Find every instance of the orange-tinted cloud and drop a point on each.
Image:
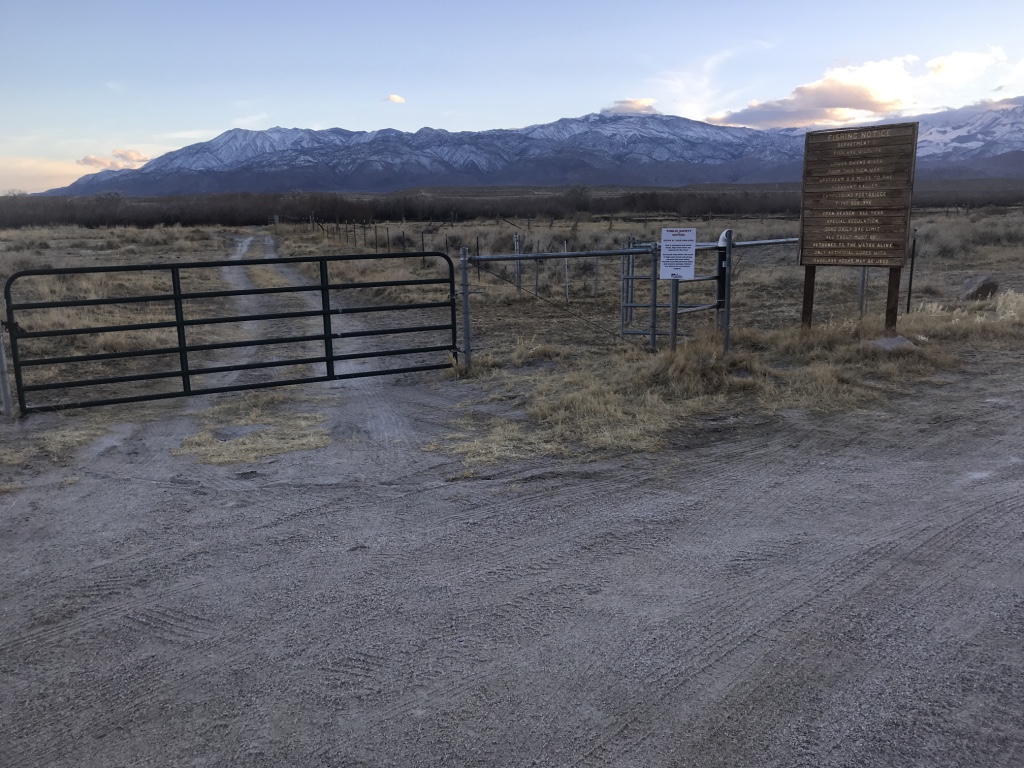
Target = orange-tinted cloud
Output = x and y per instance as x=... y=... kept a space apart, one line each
x=130 y=156
x=123 y=158
x=631 y=107
x=394 y=98
x=825 y=101
x=880 y=89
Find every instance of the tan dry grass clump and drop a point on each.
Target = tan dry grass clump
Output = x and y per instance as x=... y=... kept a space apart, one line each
x=276 y=430
x=59 y=445
x=629 y=400
x=61 y=247
x=76 y=429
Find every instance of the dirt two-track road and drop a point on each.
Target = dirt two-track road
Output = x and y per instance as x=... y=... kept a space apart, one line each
x=794 y=590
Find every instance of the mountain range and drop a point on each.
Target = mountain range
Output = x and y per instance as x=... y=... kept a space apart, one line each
x=596 y=149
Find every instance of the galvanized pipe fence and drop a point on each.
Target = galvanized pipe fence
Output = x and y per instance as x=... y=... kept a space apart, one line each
x=465 y=260
x=629 y=276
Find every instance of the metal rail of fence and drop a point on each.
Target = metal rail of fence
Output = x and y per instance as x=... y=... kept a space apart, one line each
x=186 y=369
x=465 y=260
x=722 y=305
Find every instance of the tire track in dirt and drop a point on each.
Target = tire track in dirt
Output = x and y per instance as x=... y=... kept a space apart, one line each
x=798 y=593
x=542 y=564
x=712 y=653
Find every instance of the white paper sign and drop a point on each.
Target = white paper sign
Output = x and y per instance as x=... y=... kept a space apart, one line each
x=678 y=253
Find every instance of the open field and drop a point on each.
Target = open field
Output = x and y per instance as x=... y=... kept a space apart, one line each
x=580 y=554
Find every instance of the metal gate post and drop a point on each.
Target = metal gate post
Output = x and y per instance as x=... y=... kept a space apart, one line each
x=464 y=267
x=325 y=306
x=179 y=320
x=910 y=277
x=654 y=298
x=519 y=264
x=5 y=385
x=720 y=284
x=622 y=295
x=725 y=248
x=674 y=312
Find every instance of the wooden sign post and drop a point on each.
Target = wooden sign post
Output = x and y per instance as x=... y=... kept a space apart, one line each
x=857 y=189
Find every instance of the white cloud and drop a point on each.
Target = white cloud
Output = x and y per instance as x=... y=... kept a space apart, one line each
x=394 y=98
x=1012 y=80
x=631 y=106
x=693 y=92
x=878 y=89
x=960 y=68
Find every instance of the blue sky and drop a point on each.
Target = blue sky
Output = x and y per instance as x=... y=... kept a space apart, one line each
x=108 y=83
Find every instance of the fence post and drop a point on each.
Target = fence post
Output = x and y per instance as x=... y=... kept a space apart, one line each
x=674 y=312
x=5 y=385
x=910 y=277
x=565 y=249
x=654 y=298
x=325 y=308
x=464 y=267
x=725 y=249
x=519 y=264
x=179 y=321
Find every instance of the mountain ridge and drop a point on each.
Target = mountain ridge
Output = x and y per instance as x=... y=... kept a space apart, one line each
x=599 y=148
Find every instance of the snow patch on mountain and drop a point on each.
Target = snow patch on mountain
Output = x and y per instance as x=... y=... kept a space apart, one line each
x=600 y=148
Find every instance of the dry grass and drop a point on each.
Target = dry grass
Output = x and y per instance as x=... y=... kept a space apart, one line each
x=63 y=247
x=74 y=430
x=630 y=400
x=574 y=389
x=592 y=395
x=275 y=430
x=12 y=457
x=59 y=445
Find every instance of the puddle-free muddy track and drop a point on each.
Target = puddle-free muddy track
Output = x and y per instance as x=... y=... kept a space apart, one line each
x=796 y=590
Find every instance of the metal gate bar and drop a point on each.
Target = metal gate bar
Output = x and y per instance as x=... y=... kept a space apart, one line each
x=186 y=369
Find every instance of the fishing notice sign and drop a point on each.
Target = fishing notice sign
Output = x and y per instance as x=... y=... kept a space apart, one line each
x=857 y=190
x=678 y=253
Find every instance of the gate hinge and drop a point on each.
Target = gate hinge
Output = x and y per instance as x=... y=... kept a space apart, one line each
x=11 y=328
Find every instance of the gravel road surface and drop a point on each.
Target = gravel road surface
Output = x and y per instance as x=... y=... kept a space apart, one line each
x=794 y=590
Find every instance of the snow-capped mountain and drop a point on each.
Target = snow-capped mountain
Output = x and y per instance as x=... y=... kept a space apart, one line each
x=984 y=134
x=603 y=148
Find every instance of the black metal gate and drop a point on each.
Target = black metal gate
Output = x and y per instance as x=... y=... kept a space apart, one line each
x=120 y=334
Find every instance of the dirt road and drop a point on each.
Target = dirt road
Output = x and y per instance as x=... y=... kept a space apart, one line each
x=780 y=591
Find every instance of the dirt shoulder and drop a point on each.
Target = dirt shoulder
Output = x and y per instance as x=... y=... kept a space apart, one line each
x=834 y=590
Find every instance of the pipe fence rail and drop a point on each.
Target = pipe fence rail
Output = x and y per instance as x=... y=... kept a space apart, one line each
x=630 y=276
x=649 y=303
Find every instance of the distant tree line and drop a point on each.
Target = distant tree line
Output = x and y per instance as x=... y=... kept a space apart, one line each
x=458 y=204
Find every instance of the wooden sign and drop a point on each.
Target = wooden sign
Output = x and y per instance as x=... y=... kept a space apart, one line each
x=857 y=190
